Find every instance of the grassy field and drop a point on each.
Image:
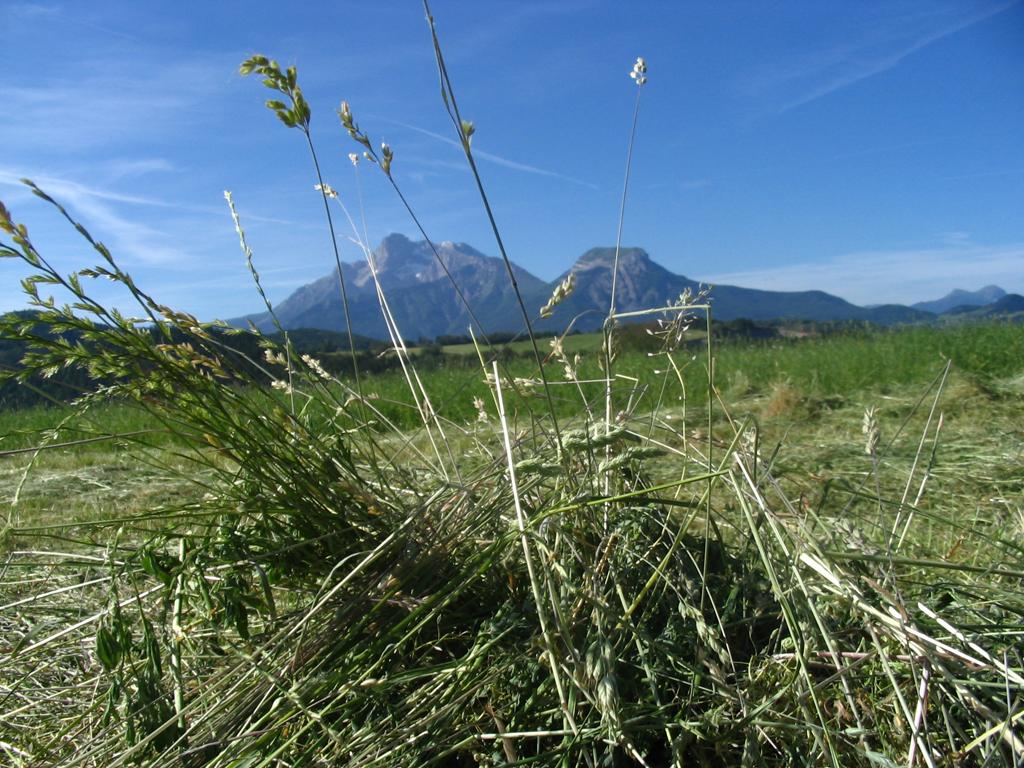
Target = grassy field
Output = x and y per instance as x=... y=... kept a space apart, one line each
x=821 y=368
x=581 y=342
x=808 y=395
x=954 y=444
x=728 y=553
x=818 y=372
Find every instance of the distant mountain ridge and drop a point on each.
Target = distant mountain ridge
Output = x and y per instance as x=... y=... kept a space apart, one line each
x=425 y=304
x=1010 y=304
x=419 y=294
x=961 y=298
x=643 y=283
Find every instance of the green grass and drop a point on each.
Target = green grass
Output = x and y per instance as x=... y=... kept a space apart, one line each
x=27 y=427
x=808 y=553
x=968 y=521
x=579 y=342
x=341 y=576
x=113 y=461
x=809 y=392
x=824 y=367
x=820 y=367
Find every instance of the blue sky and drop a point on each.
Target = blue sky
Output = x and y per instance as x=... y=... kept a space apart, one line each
x=871 y=149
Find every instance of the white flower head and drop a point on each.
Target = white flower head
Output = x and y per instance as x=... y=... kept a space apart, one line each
x=316 y=367
x=386 y=156
x=639 y=72
x=327 y=189
x=481 y=412
x=562 y=291
x=354 y=158
x=274 y=358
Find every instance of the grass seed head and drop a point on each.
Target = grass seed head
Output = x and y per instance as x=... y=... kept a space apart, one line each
x=481 y=412
x=871 y=430
x=562 y=291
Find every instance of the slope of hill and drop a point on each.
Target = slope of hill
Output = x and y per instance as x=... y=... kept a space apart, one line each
x=71 y=382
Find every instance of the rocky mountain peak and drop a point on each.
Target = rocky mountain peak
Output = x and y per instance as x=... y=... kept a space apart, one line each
x=424 y=303
x=962 y=298
x=604 y=258
x=395 y=251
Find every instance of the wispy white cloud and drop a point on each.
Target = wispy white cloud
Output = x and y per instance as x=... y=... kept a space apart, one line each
x=135 y=240
x=240 y=280
x=895 y=276
x=66 y=187
x=131 y=168
x=105 y=102
x=69 y=190
x=808 y=77
x=500 y=21
x=51 y=13
x=32 y=10
x=489 y=156
x=955 y=237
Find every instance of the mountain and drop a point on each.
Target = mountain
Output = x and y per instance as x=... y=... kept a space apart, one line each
x=424 y=303
x=961 y=298
x=419 y=294
x=1009 y=304
x=642 y=284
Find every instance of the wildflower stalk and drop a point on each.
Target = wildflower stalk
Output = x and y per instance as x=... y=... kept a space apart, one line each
x=384 y=161
x=247 y=252
x=917 y=459
x=298 y=116
x=424 y=406
x=177 y=638
x=639 y=76
x=337 y=264
x=549 y=640
x=465 y=130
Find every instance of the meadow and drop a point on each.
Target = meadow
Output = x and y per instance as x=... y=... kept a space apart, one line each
x=699 y=552
x=806 y=397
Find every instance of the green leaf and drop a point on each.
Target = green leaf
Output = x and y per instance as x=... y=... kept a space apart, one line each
x=151 y=565
x=241 y=616
x=879 y=759
x=153 y=661
x=107 y=649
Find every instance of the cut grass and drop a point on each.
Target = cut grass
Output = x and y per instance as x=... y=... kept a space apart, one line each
x=685 y=578
x=807 y=396
x=336 y=592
